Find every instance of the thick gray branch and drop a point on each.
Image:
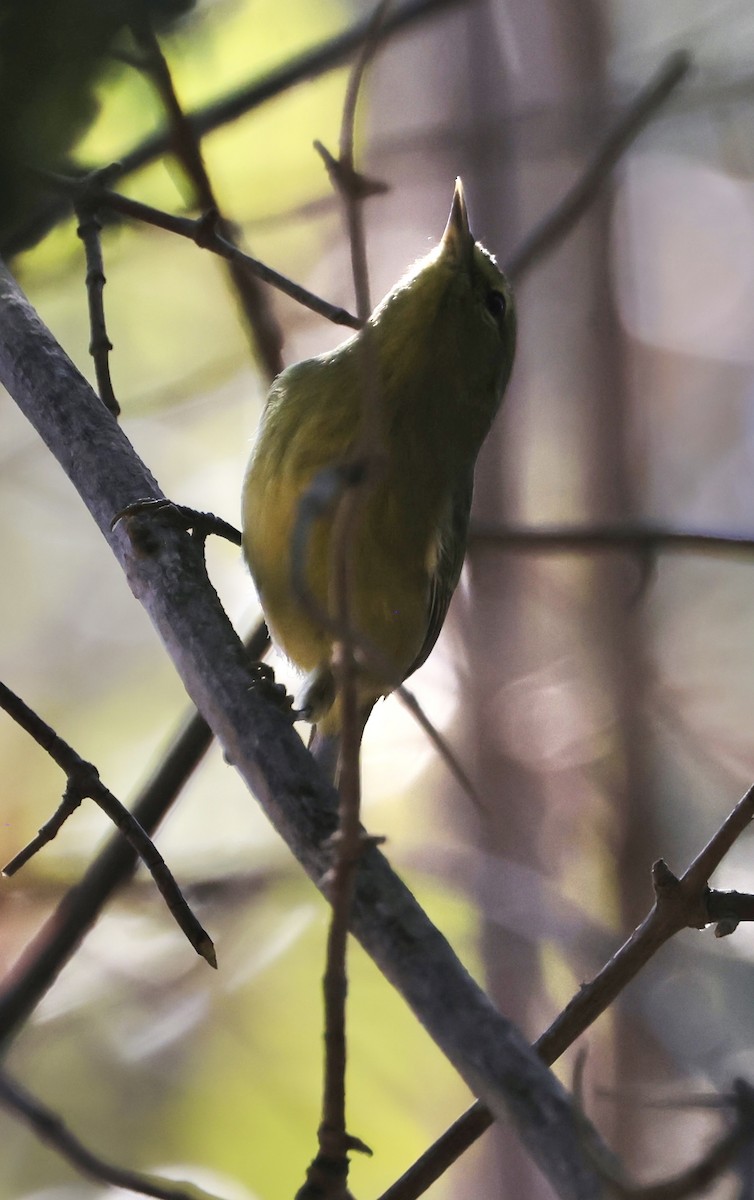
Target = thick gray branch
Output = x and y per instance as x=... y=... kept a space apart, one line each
x=170 y=581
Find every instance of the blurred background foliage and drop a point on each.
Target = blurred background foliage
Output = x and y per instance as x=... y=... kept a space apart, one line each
x=602 y=705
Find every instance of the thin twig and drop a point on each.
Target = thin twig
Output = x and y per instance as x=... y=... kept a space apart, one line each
x=412 y=705
x=560 y=220
x=89 y=229
x=353 y=195
x=680 y=903
x=643 y=538
x=84 y=781
x=708 y=860
x=262 y=325
x=50 y=1128
x=327 y=1175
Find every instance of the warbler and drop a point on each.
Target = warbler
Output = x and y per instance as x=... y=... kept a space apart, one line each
x=443 y=342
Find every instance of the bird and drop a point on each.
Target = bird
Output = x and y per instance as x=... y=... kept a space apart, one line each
x=442 y=346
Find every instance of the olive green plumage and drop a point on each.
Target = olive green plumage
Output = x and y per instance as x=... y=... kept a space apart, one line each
x=444 y=341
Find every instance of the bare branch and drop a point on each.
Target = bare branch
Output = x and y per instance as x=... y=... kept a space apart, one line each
x=50 y=1128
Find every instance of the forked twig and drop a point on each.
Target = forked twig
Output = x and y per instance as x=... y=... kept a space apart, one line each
x=61 y=935
x=204 y=232
x=84 y=781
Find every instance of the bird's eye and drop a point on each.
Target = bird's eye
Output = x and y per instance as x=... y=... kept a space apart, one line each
x=496 y=304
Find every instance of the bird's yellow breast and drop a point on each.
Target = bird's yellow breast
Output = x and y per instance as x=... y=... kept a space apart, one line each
x=388 y=560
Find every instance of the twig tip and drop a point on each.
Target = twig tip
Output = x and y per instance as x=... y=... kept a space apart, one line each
x=206 y=948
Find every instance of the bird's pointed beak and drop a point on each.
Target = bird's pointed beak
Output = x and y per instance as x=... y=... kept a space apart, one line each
x=457 y=240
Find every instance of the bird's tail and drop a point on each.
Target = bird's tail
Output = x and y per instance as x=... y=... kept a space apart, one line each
x=326 y=749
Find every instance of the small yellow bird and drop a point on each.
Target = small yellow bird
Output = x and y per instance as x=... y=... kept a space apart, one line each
x=444 y=341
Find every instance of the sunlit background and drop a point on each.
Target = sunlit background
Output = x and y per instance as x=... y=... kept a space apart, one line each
x=602 y=704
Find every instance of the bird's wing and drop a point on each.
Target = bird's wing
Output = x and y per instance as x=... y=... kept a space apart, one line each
x=451 y=548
